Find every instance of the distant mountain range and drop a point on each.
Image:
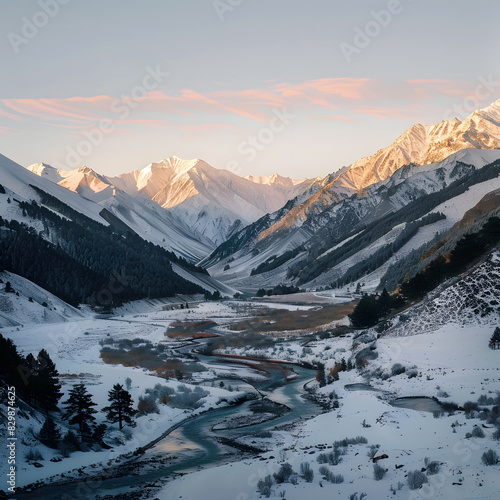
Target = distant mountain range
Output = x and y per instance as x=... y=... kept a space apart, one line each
x=200 y=201
x=355 y=226
x=293 y=243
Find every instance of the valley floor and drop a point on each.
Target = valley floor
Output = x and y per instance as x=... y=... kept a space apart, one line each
x=451 y=363
x=452 y=360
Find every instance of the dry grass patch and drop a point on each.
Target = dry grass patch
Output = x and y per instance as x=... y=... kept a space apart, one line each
x=280 y=320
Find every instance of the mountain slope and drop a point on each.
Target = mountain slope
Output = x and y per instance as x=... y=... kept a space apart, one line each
x=19 y=180
x=416 y=149
x=352 y=238
x=469 y=299
x=86 y=246
x=419 y=145
x=213 y=202
x=29 y=303
x=140 y=214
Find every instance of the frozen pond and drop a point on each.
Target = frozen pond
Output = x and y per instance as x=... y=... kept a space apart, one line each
x=418 y=404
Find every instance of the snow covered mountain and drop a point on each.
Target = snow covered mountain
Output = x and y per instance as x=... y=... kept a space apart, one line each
x=37 y=212
x=359 y=237
x=198 y=200
x=419 y=145
x=424 y=144
x=317 y=221
x=213 y=202
x=140 y=214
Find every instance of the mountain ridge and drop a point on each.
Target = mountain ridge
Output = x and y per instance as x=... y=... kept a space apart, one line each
x=212 y=202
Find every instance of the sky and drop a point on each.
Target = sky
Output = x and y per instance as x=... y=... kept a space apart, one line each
x=297 y=87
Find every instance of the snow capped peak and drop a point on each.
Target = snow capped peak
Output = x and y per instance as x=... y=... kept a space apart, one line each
x=47 y=171
x=176 y=164
x=492 y=111
x=424 y=144
x=40 y=167
x=87 y=170
x=213 y=202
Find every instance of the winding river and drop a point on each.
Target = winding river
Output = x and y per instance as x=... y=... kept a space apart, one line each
x=194 y=444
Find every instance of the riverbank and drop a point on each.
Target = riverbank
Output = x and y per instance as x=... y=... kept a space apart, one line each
x=404 y=440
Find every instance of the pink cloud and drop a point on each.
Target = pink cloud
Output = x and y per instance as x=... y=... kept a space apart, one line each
x=219 y=109
x=346 y=88
x=10 y=116
x=6 y=131
x=341 y=118
x=381 y=112
x=444 y=86
x=49 y=109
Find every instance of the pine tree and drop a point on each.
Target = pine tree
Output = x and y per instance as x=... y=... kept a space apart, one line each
x=99 y=432
x=320 y=375
x=48 y=387
x=10 y=363
x=79 y=409
x=120 y=410
x=50 y=434
x=343 y=364
x=384 y=303
x=366 y=313
x=495 y=339
x=69 y=443
x=30 y=374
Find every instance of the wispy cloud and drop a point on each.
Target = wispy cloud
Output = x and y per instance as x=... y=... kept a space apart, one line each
x=6 y=131
x=382 y=112
x=340 y=99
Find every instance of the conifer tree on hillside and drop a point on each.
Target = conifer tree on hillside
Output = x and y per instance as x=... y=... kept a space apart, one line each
x=120 y=410
x=10 y=362
x=49 y=389
x=366 y=313
x=79 y=410
x=29 y=370
x=495 y=339
x=384 y=303
x=50 y=434
x=320 y=375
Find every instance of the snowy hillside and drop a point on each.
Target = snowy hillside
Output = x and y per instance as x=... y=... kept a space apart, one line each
x=469 y=300
x=28 y=303
x=19 y=180
x=420 y=145
x=325 y=247
x=205 y=204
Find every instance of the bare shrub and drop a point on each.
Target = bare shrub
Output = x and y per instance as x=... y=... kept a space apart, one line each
x=378 y=472
x=416 y=479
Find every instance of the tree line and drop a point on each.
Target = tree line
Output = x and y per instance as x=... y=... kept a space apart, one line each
x=83 y=254
x=468 y=249
x=278 y=290
x=347 y=222
x=37 y=381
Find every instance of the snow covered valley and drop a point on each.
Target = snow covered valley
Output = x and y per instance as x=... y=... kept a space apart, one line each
x=274 y=429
